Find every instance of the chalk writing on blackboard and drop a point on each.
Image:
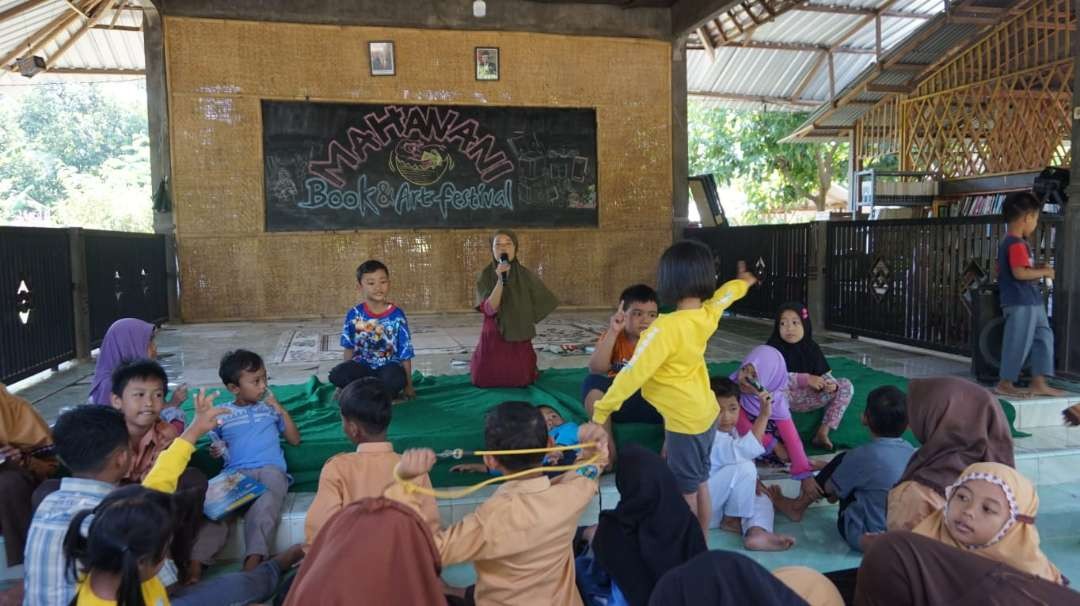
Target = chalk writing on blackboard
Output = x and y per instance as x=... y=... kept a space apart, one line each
x=336 y=166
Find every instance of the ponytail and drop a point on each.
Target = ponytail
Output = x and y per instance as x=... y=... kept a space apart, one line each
x=131 y=527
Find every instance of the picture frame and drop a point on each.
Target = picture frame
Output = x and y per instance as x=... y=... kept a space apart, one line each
x=486 y=59
x=381 y=59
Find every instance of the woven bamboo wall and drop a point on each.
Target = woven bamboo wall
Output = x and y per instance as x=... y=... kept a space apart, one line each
x=231 y=269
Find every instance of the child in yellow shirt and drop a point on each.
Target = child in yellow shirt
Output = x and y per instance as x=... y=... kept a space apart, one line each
x=668 y=365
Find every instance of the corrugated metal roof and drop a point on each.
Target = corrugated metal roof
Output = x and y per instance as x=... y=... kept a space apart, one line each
x=779 y=73
x=98 y=49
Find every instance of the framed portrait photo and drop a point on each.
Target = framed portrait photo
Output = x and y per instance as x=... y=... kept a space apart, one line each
x=487 y=63
x=381 y=58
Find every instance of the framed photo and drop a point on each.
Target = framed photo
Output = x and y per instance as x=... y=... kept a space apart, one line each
x=487 y=63
x=381 y=58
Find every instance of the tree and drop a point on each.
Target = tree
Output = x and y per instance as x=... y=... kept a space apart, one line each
x=744 y=148
x=70 y=155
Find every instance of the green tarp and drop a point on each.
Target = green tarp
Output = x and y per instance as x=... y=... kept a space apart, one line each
x=449 y=413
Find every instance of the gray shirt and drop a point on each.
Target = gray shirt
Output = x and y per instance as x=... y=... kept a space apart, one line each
x=866 y=474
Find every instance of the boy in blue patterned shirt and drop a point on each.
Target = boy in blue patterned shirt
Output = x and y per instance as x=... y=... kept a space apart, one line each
x=376 y=336
x=251 y=432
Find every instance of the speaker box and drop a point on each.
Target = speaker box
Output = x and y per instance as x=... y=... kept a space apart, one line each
x=987 y=333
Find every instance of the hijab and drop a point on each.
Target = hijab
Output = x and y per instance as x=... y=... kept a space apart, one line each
x=722 y=578
x=1017 y=543
x=650 y=531
x=375 y=551
x=810 y=585
x=805 y=356
x=127 y=339
x=958 y=423
x=772 y=373
x=525 y=299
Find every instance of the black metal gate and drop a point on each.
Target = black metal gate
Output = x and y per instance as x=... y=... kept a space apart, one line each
x=778 y=254
x=37 y=326
x=126 y=278
x=911 y=281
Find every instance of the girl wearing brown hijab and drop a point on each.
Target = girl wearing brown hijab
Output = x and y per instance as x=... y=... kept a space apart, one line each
x=513 y=300
x=374 y=551
x=958 y=423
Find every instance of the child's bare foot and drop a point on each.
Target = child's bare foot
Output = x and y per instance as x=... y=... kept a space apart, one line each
x=821 y=440
x=731 y=524
x=1007 y=389
x=759 y=539
x=252 y=562
x=1072 y=415
x=793 y=509
x=818 y=464
x=194 y=573
x=1040 y=387
x=289 y=558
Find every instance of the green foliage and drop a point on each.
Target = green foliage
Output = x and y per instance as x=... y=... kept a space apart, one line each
x=743 y=148
x=70 y=155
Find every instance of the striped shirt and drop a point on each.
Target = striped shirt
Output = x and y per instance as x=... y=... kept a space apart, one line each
x=46 y=582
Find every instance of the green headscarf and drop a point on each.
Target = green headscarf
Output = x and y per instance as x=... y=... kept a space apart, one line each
x=525 y=299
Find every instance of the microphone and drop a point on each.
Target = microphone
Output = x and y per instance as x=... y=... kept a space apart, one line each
x=503 y=258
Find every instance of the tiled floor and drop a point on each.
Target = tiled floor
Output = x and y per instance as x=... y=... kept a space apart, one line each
x=296 y=350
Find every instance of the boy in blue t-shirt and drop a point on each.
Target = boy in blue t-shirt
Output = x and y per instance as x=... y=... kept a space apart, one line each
x=560 y=433
x=251 y=432
x=376 y=336
x=1028 y=335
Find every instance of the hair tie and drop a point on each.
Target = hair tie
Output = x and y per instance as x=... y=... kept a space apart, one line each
x=1026 y=519
x=805 y=313
x=84 y=528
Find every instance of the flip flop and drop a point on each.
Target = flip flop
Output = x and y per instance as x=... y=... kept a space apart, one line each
x=1022 y=395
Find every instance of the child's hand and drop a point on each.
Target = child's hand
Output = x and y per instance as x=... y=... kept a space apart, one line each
x=469 y=468
x=831 y=386
x=216 y=450
x=744 y=275
x=10 y=453
x=816 y=383
x=1048 y=272
x=618 y=321
x=810 y=488
x=409 y=392
x=416 y=462
x=591 y=432
x=272 y=400
x=766 y=404
x=206 y=415
x=179 y=395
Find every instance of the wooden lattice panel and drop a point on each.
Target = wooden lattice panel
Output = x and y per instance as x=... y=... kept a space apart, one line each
x=1037 y=36
x=1019 y=121
x=877 y=133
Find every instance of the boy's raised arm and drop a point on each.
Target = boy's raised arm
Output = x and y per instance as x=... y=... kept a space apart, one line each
x=173 y=460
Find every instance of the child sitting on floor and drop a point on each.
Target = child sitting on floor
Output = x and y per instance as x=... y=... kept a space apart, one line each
x=518 y=539
x=991 y=511
x=861 y=477
x=638 y=308
x=366 y=411
x=764 y=366
x=811 y=385
x=375 y=336
x=117 y=549
x=138 y=391
x=251 y=434
x=668 y=365
x=560 y=433
x=737 y=505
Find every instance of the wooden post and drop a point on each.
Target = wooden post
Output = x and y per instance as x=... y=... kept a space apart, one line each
x=877 y=40
x=832 y=79
x=1067 y=310
x=816 y=292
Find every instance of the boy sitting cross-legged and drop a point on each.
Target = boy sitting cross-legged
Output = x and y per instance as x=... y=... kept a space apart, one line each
x=366 y=410
x=519 y=539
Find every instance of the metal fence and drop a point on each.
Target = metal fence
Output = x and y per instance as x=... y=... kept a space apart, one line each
x=37 y=327
x=44 y=273
x=912 y=281
x=777 y=254
x=125 y=277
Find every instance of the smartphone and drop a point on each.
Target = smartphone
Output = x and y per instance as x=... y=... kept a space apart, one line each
x=755 y=384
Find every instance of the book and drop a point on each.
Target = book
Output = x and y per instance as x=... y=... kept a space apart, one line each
x=229 y=491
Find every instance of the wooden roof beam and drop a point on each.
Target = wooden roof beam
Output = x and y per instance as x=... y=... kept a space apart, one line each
x=794 y=46
x=853 y=10
x=706 y=42
x=32 y=43
x=786 y=101
x=99 y=11
x=118 y=28
x=19 y=9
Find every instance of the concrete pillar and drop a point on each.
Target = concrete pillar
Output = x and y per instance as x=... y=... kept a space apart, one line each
x=157 y=109
x=1067 y=314
x=680 y=154
x=79 y=293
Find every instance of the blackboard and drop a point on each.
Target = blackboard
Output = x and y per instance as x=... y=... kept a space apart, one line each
x=330 y=166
